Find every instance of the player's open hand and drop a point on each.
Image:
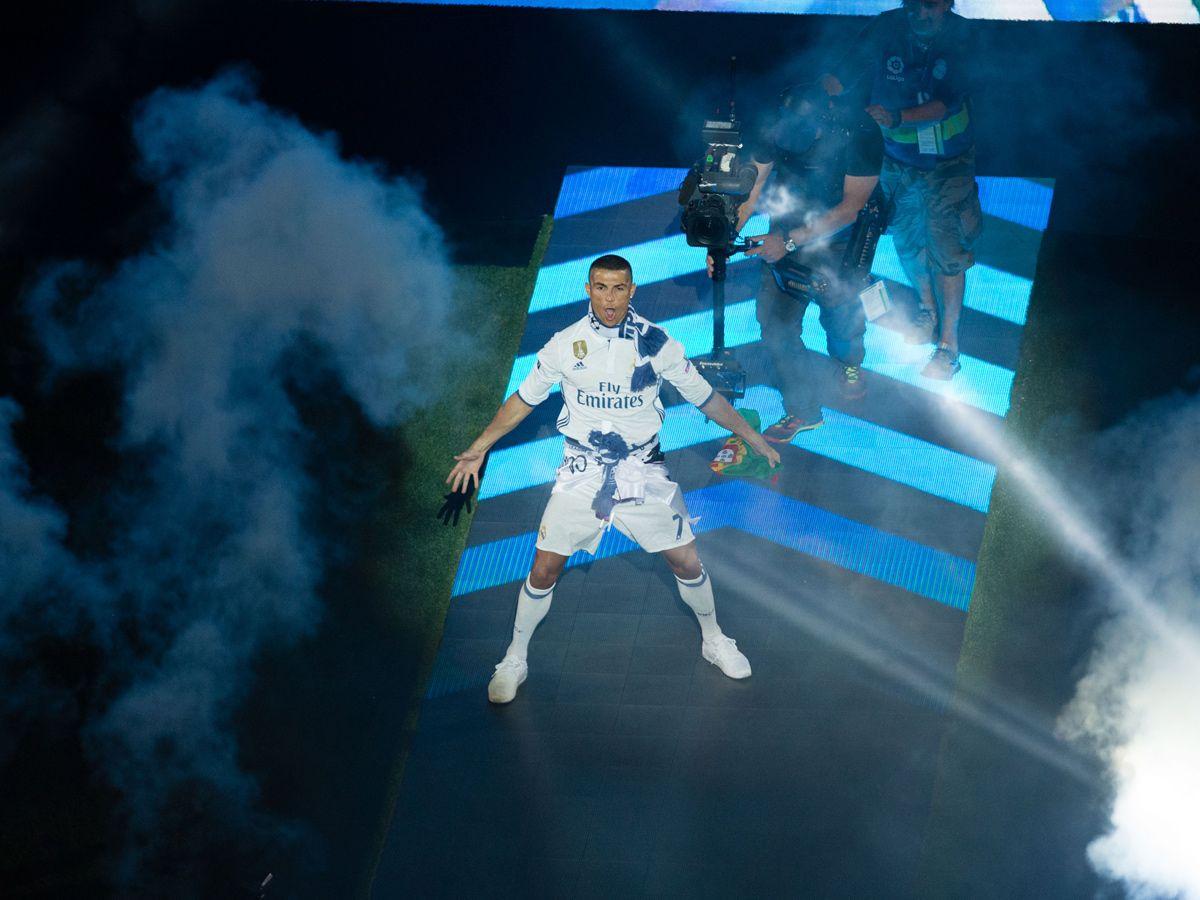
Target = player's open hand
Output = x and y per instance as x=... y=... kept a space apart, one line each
x=467 y=471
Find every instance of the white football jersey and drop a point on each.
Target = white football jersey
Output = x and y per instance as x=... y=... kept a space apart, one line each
x=611 y=384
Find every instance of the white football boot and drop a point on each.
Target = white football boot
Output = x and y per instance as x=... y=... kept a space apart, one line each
x=723 y=653
x=510 y=673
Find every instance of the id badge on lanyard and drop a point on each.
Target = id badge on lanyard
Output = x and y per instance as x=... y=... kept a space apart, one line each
x=927 y=135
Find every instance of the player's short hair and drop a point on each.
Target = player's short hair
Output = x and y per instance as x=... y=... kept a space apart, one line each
x=610 y=262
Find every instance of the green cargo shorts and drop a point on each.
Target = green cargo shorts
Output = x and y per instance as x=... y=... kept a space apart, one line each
x=936 y=217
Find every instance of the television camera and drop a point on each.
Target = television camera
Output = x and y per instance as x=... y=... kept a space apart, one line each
x=711 y=194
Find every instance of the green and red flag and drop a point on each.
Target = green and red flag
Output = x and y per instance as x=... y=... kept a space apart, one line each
x=737 y=459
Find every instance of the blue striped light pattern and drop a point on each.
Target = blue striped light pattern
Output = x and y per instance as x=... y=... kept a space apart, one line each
x=1017 y=200
x=981 y=384
x=855 y=442
x=661 y=259
x=988 y=290
x=799 y=526
x=850 y=441
x=605 y=186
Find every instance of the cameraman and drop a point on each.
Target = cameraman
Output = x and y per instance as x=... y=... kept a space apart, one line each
x=912 y=68
x=826 y=156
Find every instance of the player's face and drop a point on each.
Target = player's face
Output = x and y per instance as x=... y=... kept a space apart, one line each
x=926 y=16
x=610 y=293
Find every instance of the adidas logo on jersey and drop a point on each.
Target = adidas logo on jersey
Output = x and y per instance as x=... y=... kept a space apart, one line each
x=579 y=365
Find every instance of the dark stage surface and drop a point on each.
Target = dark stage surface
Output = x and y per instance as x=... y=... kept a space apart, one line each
x=628 y=766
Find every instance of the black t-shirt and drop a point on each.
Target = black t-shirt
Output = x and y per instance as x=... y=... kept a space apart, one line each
x=813 y=174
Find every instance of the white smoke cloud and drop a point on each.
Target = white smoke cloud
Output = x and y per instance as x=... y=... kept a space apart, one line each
x=278 y=259
x=779 y=201
x=1137 y=706
x=30 y=544
x=42 y=583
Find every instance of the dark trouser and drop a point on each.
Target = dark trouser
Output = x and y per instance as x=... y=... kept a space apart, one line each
x=782 y=320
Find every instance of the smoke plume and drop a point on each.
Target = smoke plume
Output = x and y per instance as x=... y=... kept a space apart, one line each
x=1136 y=705
x=278 y=258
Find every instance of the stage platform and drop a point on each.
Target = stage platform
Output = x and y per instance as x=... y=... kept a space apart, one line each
x=628 y=766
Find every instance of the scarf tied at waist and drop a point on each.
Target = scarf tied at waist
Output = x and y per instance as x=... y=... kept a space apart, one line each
x=624 y=470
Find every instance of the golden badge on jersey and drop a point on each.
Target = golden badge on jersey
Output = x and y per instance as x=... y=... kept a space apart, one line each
x=580 y=348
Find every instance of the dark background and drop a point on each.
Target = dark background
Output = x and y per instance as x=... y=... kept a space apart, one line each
x=486 y=107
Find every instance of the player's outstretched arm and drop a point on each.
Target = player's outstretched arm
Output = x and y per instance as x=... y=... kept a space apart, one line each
x=718 y=409
x=468 y=463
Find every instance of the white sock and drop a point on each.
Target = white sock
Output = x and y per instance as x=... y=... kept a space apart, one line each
x=532 y=606
x=699 y=596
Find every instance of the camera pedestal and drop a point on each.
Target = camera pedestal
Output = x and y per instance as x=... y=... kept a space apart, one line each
x=720 y=368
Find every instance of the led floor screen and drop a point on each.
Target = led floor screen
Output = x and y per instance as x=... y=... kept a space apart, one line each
x=1166 y=11
x=909 y=442
x=629 y=766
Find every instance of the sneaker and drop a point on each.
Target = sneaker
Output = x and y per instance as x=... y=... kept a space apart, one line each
x=923 y=327
x=789 y=426
x=851 y=384
x=510 y=673
x=942 y=364
x=723 y=653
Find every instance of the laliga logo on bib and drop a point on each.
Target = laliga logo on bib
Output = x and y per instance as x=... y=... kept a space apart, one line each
x=895 y=65
x=939 y=69
x=580 y=348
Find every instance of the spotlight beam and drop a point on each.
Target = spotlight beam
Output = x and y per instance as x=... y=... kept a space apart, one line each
x=1076 y=532
x=871 y=645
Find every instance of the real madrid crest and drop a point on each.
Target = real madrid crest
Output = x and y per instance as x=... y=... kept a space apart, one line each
x=580 y=348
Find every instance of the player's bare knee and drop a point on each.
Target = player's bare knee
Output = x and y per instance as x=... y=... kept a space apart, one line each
x=542 y=577
x=545 y=571
x=685 y=562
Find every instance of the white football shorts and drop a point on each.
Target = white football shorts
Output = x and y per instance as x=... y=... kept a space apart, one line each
x=569 y=522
